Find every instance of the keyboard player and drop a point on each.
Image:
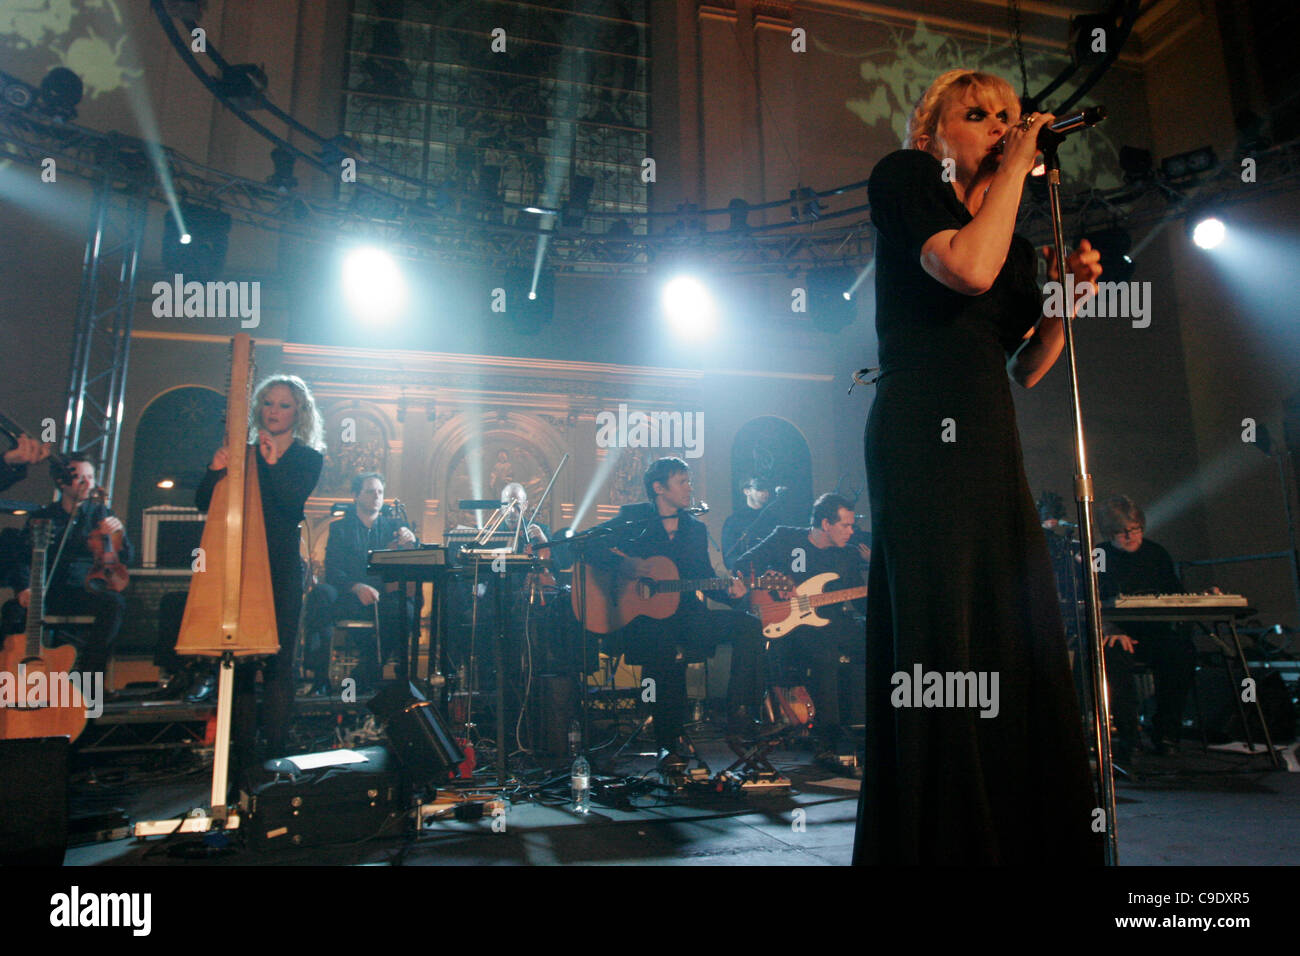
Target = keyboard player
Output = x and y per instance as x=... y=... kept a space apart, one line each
x=1136 y=565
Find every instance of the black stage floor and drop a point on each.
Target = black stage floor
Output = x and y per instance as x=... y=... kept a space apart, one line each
x=1191 y=808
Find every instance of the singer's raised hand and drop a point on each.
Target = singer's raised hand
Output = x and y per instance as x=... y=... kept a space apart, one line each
x=1084 y=264
x=1021 y=150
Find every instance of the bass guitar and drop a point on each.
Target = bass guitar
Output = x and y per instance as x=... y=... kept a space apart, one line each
x=782 y=615
x=655 y=593
x=58 y=710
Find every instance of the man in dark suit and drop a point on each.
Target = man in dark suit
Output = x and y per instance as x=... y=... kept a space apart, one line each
x=663 y=648
x=73 y=518
x=350 y=592
x=814 y=653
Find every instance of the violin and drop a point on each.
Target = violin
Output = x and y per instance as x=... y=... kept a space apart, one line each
x=109 y=573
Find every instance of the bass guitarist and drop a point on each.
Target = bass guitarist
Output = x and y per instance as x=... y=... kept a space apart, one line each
x=663 y=648
x=815 y=652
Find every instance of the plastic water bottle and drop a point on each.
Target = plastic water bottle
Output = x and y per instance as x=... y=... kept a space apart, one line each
x=575 y=737
x=580 y=785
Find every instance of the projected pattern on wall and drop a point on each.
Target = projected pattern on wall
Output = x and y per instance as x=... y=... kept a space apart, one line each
x=896 y=73
x=77 y=35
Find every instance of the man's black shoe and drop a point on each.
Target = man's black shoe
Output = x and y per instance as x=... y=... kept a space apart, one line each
x=671 y=763
x=173 y=688
x=204 y=691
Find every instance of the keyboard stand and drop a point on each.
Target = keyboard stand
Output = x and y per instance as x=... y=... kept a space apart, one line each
x=1212 y=618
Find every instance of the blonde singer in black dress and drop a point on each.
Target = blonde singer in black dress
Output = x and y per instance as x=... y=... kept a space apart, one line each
x=960 y=579
x=287 y=431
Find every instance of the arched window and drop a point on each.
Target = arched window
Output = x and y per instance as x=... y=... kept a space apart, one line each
x=174 y=442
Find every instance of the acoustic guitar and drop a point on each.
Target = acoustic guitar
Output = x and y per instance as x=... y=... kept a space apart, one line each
x=780 y=616
x=612 y=604
x=60 y=710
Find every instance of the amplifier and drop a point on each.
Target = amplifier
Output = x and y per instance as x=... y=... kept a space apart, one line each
x=170 y=533
x=338 y=796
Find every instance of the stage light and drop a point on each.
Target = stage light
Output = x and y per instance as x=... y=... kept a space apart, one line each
x=195 y=239
x=373 y=285
x=61 y=91
x=283 y=179
x=804 y=205
x=1186 y=166
x=1114 y=244
x=530 y=299
x=166 y=483
x=689 y=307
x=15 y=92
x=1209 y=232
x=830 y=294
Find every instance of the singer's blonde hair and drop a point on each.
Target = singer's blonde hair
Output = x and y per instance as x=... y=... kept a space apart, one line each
x=988 y=89
x=308 y=426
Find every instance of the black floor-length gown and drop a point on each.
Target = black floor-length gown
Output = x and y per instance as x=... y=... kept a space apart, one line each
x=960 y=578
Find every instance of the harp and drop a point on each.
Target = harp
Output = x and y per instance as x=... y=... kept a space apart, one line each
x=231 y=608
x=230 y=611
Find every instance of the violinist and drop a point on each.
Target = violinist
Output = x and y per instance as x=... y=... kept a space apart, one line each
x=81 y=527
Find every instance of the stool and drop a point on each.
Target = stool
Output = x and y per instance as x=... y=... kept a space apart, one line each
x=341 y=664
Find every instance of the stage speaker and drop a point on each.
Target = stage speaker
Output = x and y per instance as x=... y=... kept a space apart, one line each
x=418 y=737
x=33 y=801
x=555 y=706
x=1223 y=720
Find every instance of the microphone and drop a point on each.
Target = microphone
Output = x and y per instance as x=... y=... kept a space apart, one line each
x=781 y=489
x=1055 y=132
x=701 y=509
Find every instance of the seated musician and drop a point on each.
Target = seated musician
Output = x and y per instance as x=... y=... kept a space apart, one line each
x=350 y=593
x=804 y=553
x=663 y=648
x=1135 y=565
x=744 y=528
x=70 y=560
x=13 y=465
x=514 y=502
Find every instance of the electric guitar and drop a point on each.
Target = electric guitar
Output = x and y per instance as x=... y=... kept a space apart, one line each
x=656 y=593
x=58 y=709
x=780 y=616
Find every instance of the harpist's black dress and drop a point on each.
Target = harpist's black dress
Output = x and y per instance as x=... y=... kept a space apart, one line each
x=960 y=578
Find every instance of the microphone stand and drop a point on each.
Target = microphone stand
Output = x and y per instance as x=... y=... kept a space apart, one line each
x=1084 y=496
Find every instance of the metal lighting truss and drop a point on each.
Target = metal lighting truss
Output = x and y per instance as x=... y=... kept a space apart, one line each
x=124 y=185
